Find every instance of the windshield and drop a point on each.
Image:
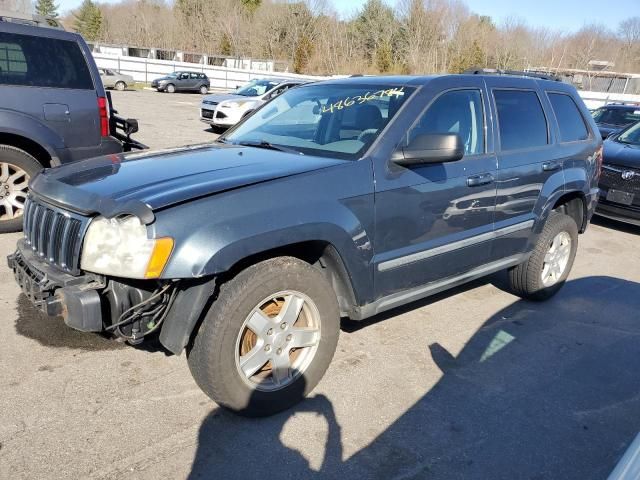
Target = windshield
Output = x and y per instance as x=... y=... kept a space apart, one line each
x=256 y=88
x=338 y=121
x=173 y=75
x=631 y=135
x=616 y=116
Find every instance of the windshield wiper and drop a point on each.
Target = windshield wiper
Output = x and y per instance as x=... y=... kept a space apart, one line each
x=269 y=146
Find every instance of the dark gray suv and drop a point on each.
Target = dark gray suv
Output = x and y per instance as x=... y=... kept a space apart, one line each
x=53 y=109
x=343 y=198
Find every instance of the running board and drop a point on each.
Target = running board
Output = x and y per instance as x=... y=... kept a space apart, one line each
x=402 y=298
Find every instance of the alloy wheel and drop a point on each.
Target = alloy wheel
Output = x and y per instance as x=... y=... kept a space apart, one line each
x=278 y=341
x=556 y=259
x=13 y=191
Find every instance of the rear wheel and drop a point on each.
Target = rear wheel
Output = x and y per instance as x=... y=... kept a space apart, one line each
x=546 y=270
x=16 y=169
x=268 y=338
x=121 y=86
x=204 y=89
x=171 y=88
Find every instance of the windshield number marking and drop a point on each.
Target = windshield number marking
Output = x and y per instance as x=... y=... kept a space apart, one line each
x=359 y=99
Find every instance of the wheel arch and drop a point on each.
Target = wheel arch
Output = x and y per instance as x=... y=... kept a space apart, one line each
x=194 y=300
x=45 y=156
x=573 y=204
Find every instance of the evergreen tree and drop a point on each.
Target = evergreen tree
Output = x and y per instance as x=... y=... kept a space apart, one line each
x=225 y=45
x=47 y=8
x=302 y=54
x=88 y=21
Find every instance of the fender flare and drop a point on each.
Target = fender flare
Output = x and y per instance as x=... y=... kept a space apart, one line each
x=21 y=125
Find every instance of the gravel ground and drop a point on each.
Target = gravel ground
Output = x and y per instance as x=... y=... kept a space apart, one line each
x=472 y=384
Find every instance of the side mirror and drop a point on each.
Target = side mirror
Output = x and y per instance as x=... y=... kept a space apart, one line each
x=430 y=148
x=131 y=126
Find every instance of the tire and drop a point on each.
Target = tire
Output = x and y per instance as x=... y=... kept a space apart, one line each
x=526 y=279
x=121 y=86
x=204 y=89
x=12 y=162
x=215 y=356
x=170 y=88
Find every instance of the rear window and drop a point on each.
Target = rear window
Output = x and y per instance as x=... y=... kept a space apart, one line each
x=570 y=121
x=31 y=61
x=616 y=115
x=521 y=119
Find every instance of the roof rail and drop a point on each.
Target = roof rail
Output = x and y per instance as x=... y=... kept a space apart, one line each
x=517 y=73
x=29 y=19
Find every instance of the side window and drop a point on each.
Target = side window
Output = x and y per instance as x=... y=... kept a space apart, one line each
x=458 y=111
x=570 y=121
x=202 y=76
x=195 y=75
x=31 y=61
x=521 y=119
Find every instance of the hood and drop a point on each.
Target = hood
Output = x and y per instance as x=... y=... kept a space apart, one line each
x=622 y=154
x=607 y=129
x=138 y=183
x=221 y=97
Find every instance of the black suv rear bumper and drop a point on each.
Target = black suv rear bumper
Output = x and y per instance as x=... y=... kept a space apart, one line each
x=75 y=298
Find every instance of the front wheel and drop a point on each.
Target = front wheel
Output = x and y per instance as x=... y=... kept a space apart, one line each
x=121 y=86
x=171 y=88
x=268 y=338
x=16 y=168
x=204 y=89
x=547 y=268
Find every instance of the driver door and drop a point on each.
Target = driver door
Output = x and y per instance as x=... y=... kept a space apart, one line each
x=435 y=220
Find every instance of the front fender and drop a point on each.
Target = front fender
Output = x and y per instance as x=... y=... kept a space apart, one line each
x=334 y=205
x=16 y=123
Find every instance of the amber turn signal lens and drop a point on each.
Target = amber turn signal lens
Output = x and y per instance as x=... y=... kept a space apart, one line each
x=161 y=253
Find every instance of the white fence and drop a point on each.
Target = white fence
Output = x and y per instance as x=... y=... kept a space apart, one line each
x=598 y=99
x=146 y=69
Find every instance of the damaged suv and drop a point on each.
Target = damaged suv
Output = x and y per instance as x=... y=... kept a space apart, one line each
x=343 y=198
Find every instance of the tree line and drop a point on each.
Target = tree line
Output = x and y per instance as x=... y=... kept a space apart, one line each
x=413 y=36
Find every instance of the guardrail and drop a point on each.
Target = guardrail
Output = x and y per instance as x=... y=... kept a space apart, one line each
x=146 y=69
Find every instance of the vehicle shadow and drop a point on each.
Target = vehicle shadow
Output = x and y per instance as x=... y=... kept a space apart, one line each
x=615 y=225
x=541 y=391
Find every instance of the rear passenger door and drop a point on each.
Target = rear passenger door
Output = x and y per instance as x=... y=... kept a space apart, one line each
x=528 y=163
x=435 y=220
x=48 y=79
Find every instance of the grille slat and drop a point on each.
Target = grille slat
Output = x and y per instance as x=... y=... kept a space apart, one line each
x=54 y=234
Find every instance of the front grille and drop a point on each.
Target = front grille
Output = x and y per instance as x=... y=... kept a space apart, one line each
x=209 y=102
x=207 y=113
x=55 y=235
x=611 y=177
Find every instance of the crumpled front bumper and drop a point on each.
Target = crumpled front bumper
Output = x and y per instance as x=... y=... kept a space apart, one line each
x=75 y=298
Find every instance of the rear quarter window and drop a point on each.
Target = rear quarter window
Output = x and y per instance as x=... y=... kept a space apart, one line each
x=570 y=120
x=521 y=120
x=31 y=61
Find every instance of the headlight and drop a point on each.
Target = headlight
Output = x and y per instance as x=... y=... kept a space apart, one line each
x=120 y=247
x=236 y=104
x=163 y=81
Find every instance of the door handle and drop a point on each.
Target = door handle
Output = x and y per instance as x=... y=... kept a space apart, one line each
x=481 y=179
x=550 y=166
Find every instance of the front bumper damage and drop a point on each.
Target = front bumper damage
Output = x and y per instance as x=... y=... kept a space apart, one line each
x=75 y=298
x=129 y=309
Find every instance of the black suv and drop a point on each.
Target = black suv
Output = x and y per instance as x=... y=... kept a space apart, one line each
x=342 y=198
x=614 y=117
x=53 y=108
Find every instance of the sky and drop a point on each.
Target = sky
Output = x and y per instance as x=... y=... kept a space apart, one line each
x=565 y=15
